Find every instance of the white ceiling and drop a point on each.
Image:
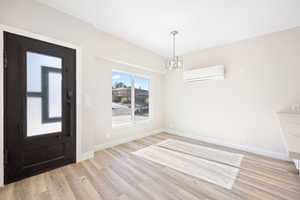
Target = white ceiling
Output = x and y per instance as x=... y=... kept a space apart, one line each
x=201 y=23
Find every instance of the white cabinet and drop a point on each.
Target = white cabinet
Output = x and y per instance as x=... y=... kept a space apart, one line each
x=290 y=126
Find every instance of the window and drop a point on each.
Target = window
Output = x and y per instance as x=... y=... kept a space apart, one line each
x=130 y=98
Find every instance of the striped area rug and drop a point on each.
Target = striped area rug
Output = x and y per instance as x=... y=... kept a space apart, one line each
x=210 y=171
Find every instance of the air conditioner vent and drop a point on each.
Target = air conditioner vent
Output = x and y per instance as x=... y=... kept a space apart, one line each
x=204 y=74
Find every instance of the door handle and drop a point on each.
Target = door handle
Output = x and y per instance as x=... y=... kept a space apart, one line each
x=69 y=95
x=69 y=100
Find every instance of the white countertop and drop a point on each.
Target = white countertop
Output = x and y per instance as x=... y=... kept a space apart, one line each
x=290 y=125
x=289 y=111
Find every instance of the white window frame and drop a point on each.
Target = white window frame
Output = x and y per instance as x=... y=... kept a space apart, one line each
x=133 y=121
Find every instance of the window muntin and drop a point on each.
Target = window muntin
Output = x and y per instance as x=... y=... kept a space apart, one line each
x=130 y=98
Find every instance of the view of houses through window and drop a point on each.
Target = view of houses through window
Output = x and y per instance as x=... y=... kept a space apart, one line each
x=130 y=98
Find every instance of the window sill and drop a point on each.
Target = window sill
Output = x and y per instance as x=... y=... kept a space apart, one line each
x=130 y=124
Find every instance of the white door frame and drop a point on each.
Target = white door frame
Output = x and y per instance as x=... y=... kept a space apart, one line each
x=78 y=89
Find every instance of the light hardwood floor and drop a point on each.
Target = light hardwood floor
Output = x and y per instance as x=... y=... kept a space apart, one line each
x=116 y=174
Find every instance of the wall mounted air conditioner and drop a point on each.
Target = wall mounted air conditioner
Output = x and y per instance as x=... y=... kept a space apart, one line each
x=203 y=74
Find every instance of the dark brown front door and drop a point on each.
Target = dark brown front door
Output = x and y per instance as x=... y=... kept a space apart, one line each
x=39 y=98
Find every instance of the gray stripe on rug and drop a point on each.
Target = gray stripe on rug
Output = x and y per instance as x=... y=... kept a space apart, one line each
x=225 y=157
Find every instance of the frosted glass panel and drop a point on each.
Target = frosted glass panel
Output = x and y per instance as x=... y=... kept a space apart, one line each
x=35 y=62
x=44 y=94
x=34 y=119
x=55 y=95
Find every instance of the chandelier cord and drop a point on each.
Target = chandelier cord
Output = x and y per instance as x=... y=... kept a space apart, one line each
x=174 y=46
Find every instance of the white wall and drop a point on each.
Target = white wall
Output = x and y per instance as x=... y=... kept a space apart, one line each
x=98 y=105
x=96 y=73
x=262 y=77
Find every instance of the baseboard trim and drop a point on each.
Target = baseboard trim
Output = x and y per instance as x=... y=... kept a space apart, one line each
x=125 y=140
x=86 y=156
x=249 y=149
x=90 y=154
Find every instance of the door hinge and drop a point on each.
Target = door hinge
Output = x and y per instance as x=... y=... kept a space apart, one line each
x=5 y=59
x=20 y=129
x=5 y=156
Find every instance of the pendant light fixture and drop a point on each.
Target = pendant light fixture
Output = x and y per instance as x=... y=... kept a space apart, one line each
x=174 y=63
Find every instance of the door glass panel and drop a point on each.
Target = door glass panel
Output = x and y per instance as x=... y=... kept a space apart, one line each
x=34 y=119
x=55 y=95
x=35 y=62
x=44 y=94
